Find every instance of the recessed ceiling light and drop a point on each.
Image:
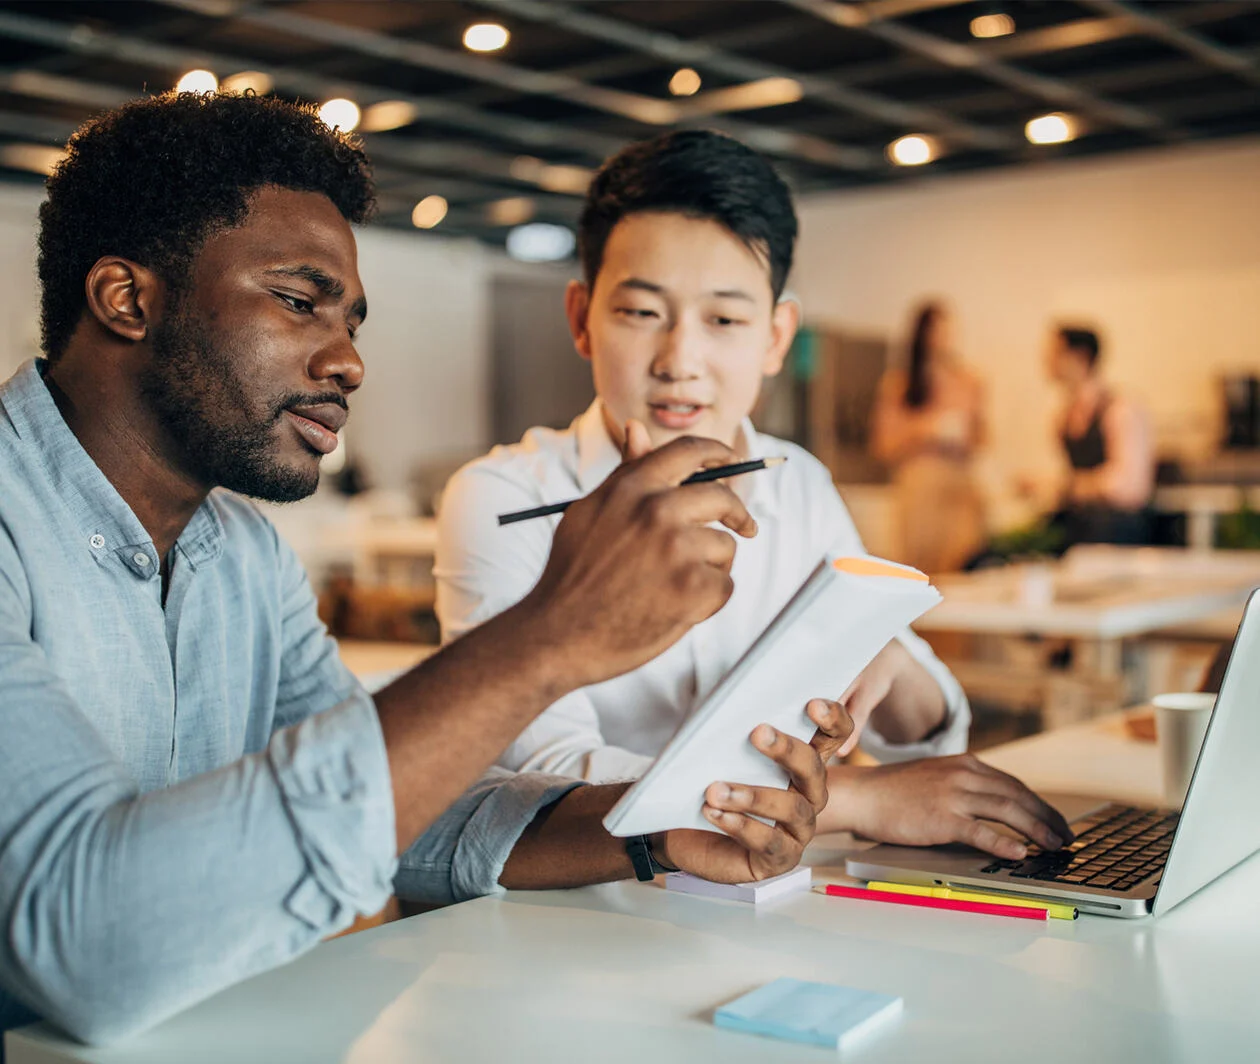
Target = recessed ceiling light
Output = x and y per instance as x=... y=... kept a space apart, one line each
x=511 y=211
x=1056 y=128
x=485 y=37
x=999 y=24
x=254 y=81
x=340 y=114
x=428 y=212
x=388 y=114
x=540 y=242
x=197 y=81
x=685 y=82
x=912 y=150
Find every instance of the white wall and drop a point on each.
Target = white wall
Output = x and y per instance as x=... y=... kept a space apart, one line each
x=1160 y=248
x=426 y=395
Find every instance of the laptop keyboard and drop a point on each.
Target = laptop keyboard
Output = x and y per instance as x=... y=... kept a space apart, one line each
x=1116 y=848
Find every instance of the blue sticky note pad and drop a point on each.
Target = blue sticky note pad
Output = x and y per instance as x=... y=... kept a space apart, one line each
x=817 y=1013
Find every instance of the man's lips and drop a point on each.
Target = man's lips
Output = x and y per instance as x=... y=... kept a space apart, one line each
x=318 y=424
x=676 y=413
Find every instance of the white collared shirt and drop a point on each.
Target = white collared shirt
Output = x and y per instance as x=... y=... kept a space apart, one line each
x=613 y=730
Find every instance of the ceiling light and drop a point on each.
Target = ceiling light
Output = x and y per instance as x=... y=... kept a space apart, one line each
x=999 y=24
x=388 y=114
x=540 y=242
x=254 y=81
x=511 y=211
x=197 y=81
x=1053 y=128
x=428 y=212
x=340 y=114
x=912 y=150
x=685 y=82
x=572 y=179
x=485 y=37
x=34 y=158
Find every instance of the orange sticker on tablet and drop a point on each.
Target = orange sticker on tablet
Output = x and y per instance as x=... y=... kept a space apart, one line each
x=875 y=567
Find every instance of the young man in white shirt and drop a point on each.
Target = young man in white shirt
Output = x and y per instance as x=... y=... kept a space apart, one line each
x=686 y=243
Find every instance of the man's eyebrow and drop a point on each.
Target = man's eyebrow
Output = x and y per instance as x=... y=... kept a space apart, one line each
x=642 y=285
x=326 y=283
x=733 y=293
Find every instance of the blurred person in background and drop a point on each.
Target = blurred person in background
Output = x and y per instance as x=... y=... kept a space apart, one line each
x=1107 y=440
x=928 y=424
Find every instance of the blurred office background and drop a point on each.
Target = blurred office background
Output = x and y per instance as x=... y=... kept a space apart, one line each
x=1023 y=162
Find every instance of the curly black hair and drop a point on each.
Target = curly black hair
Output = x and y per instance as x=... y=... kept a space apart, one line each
x=699 y=174
x=152 y=180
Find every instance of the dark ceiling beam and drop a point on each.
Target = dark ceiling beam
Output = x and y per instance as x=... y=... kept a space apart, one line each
x=428 y=162
x=405 y=51
x=670 y=48
x=1079 y=33
x=84 y=40
x=965 y=57
x=1153 y=24
x=629 y=64
x=649 y=111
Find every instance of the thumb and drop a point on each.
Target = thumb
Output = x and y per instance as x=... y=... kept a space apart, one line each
x=637 y=442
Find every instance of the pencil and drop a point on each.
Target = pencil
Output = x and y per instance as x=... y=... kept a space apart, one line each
x=865 y=894
x=1056 y=911
x=717 y=473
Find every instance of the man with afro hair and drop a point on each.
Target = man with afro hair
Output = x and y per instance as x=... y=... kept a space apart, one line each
x=195 y=788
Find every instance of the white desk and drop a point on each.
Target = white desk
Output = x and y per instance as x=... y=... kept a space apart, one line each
x=629 y=972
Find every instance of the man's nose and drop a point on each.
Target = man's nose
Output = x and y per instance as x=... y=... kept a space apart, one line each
x=338 y=361
x=677 y=356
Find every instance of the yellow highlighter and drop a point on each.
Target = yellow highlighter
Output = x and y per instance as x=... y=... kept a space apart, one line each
x=1055 y=912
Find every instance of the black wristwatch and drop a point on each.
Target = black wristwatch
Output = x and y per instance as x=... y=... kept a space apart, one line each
x=646 y=866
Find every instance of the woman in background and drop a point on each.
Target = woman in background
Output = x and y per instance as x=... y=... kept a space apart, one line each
x=929 y=422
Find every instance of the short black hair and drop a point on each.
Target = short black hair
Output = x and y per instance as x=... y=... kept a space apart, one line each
x=699 y=174
x=152 y=180
x=1082 y=341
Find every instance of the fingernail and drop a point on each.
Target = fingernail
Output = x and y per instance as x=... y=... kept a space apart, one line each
x=763 y=735
x=721 y=792
x=1020 y=851
x=817 y=713
x=1054 y=842
x=711 y=813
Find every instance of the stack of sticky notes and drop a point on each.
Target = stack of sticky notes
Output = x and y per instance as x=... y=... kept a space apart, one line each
x=793 y=882
x=817 y=1013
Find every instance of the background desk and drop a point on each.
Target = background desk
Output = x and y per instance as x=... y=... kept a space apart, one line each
x=628 y=972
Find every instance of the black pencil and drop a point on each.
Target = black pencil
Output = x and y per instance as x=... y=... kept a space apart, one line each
x=717 y=473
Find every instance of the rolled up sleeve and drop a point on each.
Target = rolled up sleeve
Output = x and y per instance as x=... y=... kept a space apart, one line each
x=462 y=855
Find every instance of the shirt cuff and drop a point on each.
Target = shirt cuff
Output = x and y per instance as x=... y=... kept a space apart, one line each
x=333 y=775
x=462 y=855
x=950 y=737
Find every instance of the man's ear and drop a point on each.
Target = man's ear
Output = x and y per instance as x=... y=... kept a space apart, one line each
x=577 y=306
x=783 y=325
x=123 y=296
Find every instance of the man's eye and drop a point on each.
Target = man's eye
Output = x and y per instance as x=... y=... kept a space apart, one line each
x=302 y=306
x=636 y=312
x=719 y=320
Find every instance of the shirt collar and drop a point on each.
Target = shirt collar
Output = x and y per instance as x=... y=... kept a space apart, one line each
x=598 y=456
x=107 y=526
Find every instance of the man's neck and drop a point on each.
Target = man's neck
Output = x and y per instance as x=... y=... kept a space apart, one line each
x=111 y=422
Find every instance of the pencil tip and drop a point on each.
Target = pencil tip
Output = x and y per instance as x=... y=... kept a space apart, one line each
x=777 y=460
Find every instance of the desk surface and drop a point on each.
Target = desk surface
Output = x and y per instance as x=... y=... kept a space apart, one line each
x=629 y=972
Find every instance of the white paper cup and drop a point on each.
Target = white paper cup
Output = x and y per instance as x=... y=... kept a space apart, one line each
x=1181 y=721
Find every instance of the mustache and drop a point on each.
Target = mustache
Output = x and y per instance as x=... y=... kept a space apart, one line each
x=302 y=399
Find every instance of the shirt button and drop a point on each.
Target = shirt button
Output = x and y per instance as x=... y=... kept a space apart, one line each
x=97 y=541
x=140 y=558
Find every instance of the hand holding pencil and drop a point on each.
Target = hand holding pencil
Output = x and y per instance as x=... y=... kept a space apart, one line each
x=635 y=563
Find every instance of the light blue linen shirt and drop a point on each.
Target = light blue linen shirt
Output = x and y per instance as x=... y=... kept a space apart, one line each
x=189 y=794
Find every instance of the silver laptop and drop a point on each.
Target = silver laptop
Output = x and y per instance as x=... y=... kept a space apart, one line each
x=1128 y=861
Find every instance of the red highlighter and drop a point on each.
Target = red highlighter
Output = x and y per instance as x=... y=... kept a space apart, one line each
x=865 y=894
